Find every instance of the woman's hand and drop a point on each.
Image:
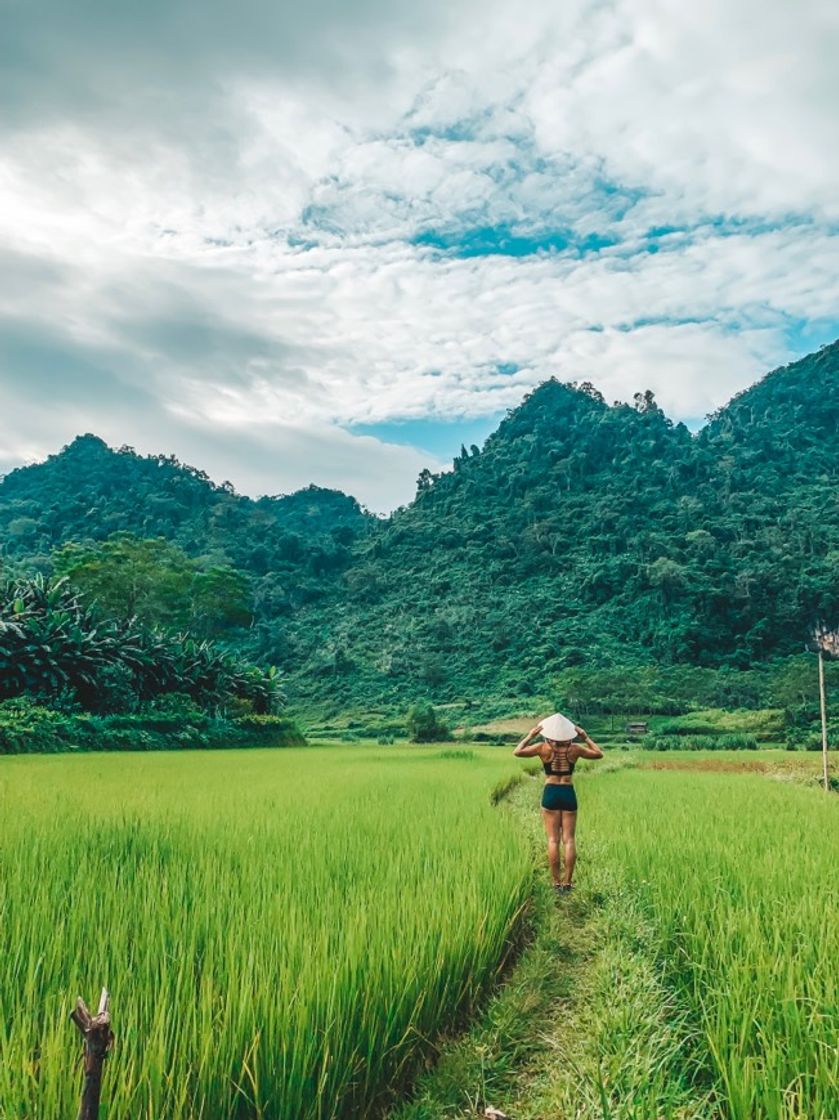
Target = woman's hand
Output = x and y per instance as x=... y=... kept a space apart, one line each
x=534 y=731
x=581 y=733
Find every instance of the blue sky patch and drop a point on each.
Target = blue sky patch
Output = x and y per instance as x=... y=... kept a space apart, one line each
x=804 y=336
x=441 y=438
x=484 y=241
x=506 y=241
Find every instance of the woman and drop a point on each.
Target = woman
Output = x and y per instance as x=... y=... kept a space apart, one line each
x=559 y=754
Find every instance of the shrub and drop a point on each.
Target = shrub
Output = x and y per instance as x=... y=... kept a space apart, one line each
x=115 y=691
x=742 y=742
x=267 y=731
x=424 y=725
x=658 y=743
x=28 y=727
x=810 y=742
x=686 y=726
x=498 y=738
x=810 y=738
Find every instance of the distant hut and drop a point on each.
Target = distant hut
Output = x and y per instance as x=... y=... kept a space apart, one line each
x=637 y=728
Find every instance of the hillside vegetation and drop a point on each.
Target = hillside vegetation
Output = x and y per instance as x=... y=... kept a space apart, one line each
x=582 y=536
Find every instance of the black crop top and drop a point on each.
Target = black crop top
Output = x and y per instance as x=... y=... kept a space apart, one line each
x=560 y=765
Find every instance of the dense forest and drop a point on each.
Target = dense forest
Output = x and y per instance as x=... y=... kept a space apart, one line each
x=583 y=537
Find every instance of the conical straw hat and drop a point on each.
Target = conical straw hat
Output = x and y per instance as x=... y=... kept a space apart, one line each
x=558 y=728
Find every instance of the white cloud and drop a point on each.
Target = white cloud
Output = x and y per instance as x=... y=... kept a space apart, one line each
x=209 y=226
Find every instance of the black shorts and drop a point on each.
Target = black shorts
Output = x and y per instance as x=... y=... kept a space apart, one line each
x=559 y=797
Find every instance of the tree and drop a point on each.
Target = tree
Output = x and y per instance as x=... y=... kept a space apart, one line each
x=129 y=577
x=667 y=576
x=424 y=726
x=425 y=480
x=645 y=402
x=156 y=582
x=220 y=600
x=582 y=534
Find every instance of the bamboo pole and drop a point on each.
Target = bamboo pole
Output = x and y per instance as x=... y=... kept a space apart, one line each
x=823 y=705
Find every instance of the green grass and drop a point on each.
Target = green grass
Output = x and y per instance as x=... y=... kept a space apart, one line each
x=282 y=932
x=738 y=876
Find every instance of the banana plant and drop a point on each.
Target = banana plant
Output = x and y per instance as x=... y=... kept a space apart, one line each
x=52 y=643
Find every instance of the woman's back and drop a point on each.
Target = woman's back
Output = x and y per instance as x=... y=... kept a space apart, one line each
x=562 y=761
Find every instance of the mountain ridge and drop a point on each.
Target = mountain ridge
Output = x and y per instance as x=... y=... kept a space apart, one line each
x=580 y=533
x=828 y=354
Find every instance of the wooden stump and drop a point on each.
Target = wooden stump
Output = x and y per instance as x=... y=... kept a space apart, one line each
x=98 y=1040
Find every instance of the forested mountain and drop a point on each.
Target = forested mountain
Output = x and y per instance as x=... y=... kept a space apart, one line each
x=582 y=533
x=88 y=492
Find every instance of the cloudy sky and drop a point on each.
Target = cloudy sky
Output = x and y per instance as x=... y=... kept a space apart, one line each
x=328 y=241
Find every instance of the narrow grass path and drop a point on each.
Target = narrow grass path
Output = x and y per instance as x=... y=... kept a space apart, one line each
x=583 y=1029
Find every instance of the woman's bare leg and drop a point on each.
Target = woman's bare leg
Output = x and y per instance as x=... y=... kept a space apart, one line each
x=569 y=826
x=553 y=831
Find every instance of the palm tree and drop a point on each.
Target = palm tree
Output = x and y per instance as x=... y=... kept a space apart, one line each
x=825 y=642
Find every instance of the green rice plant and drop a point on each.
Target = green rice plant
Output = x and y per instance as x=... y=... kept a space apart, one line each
x=766 y=724
x=735 y=741
x=505 y=787
x=738 y=875
x=283 y=933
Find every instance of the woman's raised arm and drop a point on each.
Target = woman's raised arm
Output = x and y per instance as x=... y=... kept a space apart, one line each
x=589 y=749
x=526 y=748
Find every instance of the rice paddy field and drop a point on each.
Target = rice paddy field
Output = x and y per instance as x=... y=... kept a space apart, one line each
x=287 y=933
x=740 y=876
x=281 y=931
